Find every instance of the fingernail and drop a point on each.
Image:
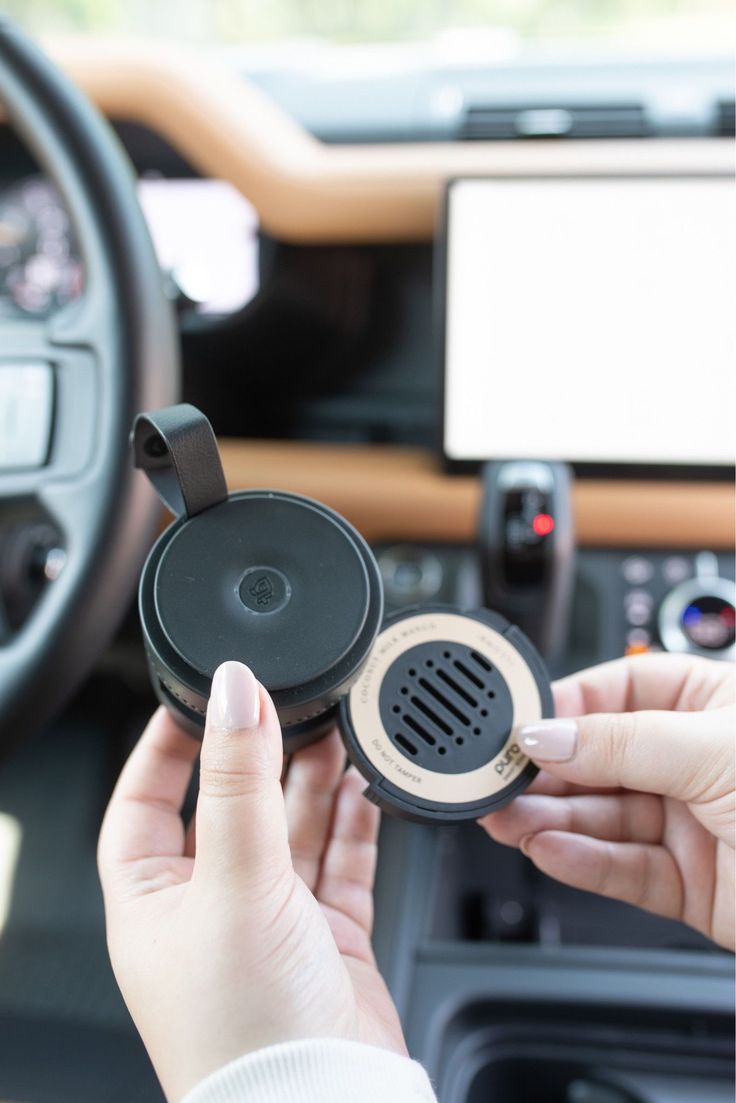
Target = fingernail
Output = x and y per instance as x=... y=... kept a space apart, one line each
x=524 y=844
x=234 y=701
x=550 y=740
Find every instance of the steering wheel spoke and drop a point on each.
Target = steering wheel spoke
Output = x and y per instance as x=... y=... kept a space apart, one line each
x=48 y=394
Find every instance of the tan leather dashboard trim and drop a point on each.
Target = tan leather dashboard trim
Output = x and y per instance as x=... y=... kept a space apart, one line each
x=307 y=191
x=399 y=494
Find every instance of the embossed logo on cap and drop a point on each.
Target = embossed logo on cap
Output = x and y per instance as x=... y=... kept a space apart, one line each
x=264 y=589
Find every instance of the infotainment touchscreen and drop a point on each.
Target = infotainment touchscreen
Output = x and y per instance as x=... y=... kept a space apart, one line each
x=591 y=320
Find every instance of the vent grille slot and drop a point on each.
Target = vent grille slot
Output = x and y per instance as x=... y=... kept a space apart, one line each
x=468 y=674
x=489 y=122
x=726 y=118
x=431 y=715
x=450 y=681
x=444 y=701
x=405 y=743
x=419 y=729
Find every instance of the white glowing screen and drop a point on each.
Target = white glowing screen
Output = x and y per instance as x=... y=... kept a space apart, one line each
x=591 y=320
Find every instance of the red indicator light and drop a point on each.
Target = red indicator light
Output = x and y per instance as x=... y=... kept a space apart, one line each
x=543 y=524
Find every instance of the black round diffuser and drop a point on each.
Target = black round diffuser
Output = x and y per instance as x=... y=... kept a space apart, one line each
x=272 y=579
x=432 y=720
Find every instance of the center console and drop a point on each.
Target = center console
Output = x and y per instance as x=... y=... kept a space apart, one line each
x=623 y=601
x=511 y=986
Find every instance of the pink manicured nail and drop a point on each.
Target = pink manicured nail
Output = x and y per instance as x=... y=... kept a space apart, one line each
x=550 y=740
x=234 y=701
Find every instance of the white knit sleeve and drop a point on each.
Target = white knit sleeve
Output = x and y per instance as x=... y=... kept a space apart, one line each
x=323 y=1070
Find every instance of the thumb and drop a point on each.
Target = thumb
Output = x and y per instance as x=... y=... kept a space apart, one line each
x=241 y=820
x=675 y=754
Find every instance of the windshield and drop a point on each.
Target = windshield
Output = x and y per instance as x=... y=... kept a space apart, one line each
x=506 y=26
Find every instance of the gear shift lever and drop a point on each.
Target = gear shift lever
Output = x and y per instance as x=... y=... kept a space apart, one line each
x=527 y=548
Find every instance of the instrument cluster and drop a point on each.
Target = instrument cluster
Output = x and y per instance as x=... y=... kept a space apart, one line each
x=40 y=265
x=204 y=231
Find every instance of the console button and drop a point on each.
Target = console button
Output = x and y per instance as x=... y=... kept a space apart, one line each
x=676 y=568
x=638 y=605
x=410 y=574
x=638 y=597
x=637 y=570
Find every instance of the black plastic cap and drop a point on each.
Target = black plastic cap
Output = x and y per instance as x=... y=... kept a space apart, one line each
x=274 y=580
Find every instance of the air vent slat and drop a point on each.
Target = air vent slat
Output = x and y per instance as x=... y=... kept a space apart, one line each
x=406 y=744
x=418 y=703
x=419 y=730
x=726 y=118
x=481 y=660
x=490 y=122
x=444 y=702
x=468 y=674
x=450 y=681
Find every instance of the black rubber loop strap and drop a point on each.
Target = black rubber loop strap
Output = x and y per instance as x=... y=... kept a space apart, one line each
x=177 y=449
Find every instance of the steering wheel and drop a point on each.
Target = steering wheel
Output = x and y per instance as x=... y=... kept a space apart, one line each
x=83 y=374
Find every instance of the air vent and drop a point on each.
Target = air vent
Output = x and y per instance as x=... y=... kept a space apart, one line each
x=446 y=707
x=726 y=118
x=612 y=120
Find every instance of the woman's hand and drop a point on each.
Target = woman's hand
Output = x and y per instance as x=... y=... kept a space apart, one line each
x=259 y=932
x=636 y=800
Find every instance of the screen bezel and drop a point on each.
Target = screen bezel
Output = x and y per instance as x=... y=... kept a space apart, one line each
x=587 y=469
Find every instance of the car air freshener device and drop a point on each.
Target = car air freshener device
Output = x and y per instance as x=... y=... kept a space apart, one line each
x=428 y=703
x=431 y=722
x=274 y=580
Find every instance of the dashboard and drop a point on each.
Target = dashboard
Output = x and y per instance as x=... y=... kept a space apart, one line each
x=313 y=343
